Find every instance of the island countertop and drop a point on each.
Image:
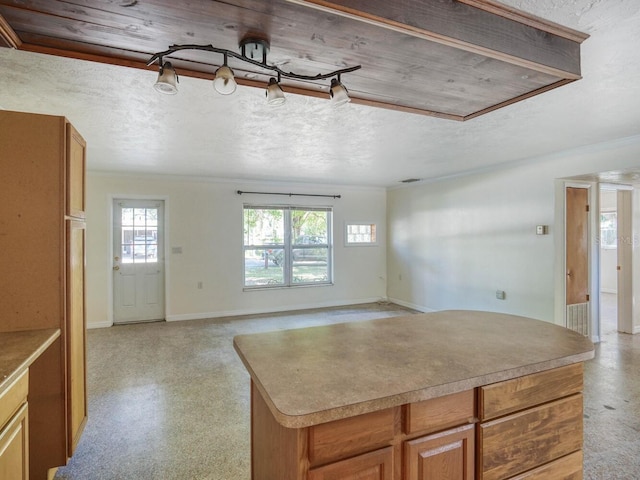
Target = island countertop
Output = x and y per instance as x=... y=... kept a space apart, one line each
x=18 y=350
x=314 y=375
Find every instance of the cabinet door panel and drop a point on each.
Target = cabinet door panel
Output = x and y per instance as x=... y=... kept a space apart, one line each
x=14 y=447
x=514 y=444
x=76 y=162
x=376 y=465
x=76 y=333
x=446 y=455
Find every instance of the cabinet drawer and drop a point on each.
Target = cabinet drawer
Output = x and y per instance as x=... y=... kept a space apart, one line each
x=524 y=392
x=514 y=444
x=13 y=397
x=376 y=465
x=440 y=413
x=567 y=468
x=340 y=439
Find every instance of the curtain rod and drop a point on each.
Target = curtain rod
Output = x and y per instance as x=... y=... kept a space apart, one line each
x=240 y=192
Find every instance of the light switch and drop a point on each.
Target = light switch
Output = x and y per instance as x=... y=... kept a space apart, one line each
x=542 y=229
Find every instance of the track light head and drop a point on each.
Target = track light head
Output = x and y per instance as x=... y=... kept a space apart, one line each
x=224 y=83
x=167 y=82
x=274 y=93
x=338 y=93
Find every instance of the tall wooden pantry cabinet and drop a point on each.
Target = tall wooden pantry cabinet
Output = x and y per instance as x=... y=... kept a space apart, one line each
x=42 y=252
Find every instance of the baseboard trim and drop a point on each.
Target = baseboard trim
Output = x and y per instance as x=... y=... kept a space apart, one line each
x=636 y=329
x=260 y=311
x=93 y=325
x=402 y=303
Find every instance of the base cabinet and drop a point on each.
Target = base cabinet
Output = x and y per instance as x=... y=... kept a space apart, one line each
x=527 y=428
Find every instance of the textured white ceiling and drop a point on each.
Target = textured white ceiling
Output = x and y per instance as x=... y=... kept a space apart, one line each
x=131 y=128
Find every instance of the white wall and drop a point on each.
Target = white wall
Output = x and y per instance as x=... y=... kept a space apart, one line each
x=454 y=242
x=205 y=219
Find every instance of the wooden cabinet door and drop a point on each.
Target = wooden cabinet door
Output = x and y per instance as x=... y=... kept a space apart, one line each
x=14 y=447
x=76 y=333
x=377 y=465
x=447 y=455
x=75 y=167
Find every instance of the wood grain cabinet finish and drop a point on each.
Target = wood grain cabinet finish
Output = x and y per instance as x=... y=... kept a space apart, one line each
x=376 y=465
x=527 y=428
x=448 y=455
x=368 y=446
x=42 y=204
x=14 y=430
x=543 y=433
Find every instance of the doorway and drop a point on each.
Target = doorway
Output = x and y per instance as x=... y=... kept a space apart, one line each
x=616 y=244
x=577 y=285
x=138 y=261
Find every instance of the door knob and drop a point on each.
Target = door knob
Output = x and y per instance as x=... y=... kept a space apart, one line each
x=117 y=267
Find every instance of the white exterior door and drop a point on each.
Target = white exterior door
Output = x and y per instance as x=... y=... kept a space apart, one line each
x=138 y=262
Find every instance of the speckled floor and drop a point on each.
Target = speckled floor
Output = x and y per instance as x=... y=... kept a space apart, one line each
x=170 y=401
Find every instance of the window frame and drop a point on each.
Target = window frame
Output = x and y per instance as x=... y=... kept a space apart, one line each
x=288 y=246
x=348 y=224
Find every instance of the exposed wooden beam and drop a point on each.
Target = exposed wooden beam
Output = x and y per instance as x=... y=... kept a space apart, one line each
x=7 y=35
x=510 y=36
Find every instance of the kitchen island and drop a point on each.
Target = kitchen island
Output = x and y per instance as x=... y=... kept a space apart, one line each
x=452 y=394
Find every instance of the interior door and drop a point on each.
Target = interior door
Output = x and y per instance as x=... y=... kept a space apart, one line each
x=138 y=262
x=577 y=259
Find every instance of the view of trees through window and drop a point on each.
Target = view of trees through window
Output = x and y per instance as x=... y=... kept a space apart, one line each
x=286 y=246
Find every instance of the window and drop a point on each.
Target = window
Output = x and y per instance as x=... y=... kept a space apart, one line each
x=287 y=246
x=361 y=234
x=608 y=229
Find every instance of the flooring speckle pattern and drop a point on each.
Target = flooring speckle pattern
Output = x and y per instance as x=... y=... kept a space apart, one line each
x=170 y=401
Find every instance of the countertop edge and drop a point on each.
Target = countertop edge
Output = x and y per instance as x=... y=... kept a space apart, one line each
x=339 y=413
x=29 y=359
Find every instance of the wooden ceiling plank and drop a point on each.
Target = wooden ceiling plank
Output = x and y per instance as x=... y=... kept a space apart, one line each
x=7 y=35
x=528 y=19
x=465 y=27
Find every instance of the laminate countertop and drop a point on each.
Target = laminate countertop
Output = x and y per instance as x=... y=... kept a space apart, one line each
x=318 y=374
x=18 y=350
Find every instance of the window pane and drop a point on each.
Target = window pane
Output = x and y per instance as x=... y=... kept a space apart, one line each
x=310 y=265
x=361 y=233
x=263 y=226
x=263 y=267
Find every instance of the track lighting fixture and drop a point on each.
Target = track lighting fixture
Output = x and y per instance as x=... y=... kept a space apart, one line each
x=275 y=95
x=338 y=92
x=224 y=83
x=253 y=51
x=167 y=79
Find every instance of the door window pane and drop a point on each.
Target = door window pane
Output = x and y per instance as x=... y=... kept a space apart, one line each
x=139 y=235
